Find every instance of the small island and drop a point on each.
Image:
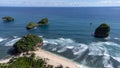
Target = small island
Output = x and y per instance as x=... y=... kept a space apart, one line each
x=44 y=21
x=102 y=31
x=31 y=25
x=29 y=42
x=7 y=19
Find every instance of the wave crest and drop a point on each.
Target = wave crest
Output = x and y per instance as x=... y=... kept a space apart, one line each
x=12 y=42
x=2 y=39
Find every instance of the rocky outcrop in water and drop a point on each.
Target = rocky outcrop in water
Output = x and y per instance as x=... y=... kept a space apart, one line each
x=102 y=31
x=7 y=19
x=31 y=25
x=44 y=21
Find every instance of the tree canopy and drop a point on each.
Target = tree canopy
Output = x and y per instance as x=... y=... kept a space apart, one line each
x=27 y=43
x=24 y=62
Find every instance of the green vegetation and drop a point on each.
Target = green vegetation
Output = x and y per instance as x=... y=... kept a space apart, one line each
x=44 y=21
x=31 y=25
x=102 y=31
x=28 y=43
x=3 y=65
x=8 y=19
x=25 y=62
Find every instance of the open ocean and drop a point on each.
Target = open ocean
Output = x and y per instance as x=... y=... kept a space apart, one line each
x=68 y=34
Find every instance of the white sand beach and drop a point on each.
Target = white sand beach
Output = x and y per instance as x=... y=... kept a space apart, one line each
x=55 y=60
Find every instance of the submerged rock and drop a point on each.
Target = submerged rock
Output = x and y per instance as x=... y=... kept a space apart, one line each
x=102 y=31
x=44 y=21
x=7 y=19
x=31 y=25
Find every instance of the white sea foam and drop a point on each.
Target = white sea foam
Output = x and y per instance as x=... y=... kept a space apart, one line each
x=107 y=38
x=106 y=62
x=62 y=50
x=104 y=44
x=61 y=41
x=65 y=48
x=2 y=39
x=15 y=36
x=95 y=48
x=12 y=42
x=64 y=43
x=79 y=50
x=98 y=48
x=116 y=58
x=116 y=38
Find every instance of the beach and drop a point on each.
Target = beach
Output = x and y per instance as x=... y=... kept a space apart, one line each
x=52 y=59
x=55 y=60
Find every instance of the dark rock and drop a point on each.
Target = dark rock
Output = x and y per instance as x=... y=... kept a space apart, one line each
x=8 y=19
x=102 y=31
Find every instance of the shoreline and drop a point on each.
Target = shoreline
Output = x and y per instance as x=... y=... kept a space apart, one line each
x=5 y=60
x=52 y=59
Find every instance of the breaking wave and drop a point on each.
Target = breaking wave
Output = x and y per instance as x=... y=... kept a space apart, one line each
x=116 y=38
x=12 y=42
x=95 y=54
x=2 y=39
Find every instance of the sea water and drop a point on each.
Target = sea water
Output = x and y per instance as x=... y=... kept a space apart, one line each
x=68 y=34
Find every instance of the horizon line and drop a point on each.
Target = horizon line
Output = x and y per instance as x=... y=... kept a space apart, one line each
x=59 y=6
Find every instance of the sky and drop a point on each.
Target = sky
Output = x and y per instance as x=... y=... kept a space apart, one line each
x=59 y=3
